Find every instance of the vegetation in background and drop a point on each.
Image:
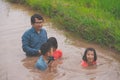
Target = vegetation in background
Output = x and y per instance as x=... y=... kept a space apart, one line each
x=94 y=20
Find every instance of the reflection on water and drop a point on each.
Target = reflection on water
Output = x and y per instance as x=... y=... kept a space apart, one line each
x=14 y=65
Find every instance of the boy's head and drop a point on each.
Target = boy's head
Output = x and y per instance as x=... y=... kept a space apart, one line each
x=53 y=42
x=45 y=48
x=90 y=55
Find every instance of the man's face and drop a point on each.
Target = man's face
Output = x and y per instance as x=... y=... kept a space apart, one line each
x=38 y=24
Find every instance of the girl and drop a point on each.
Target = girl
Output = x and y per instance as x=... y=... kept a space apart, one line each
x=89 y=58
x=57 y=54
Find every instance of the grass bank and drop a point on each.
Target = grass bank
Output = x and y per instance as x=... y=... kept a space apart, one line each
x=93 y=20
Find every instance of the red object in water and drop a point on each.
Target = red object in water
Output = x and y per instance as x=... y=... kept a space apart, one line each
x=57 y=54
x=85 y=64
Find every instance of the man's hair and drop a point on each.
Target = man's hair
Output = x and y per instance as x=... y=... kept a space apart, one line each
x=38 y=16
x=85 y=54
x=45 y=48
x=53 y=42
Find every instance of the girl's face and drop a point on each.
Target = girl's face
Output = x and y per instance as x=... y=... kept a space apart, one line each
x=90 y=56
x=54 y=49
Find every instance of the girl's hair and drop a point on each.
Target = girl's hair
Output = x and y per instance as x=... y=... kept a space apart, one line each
x=85 y=54
x=45 y=48
x=53 y=42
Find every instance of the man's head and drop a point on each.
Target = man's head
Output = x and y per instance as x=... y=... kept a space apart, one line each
x=37 y=21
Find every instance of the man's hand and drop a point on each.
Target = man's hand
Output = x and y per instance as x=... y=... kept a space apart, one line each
x=39 y=51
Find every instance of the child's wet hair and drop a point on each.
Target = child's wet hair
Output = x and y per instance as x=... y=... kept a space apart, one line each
x=45 y=48
x=85 y=54
x=53 y=42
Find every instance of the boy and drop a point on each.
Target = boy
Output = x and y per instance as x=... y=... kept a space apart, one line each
x=45 y=60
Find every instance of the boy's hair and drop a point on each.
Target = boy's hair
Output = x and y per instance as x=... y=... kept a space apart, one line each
x=36 y=16
x=85 y=53
x=45 y=48
x=53 y=42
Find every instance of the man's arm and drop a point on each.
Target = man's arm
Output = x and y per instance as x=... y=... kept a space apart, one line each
x=26 y=45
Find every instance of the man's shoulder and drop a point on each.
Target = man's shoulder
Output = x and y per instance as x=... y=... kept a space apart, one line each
x=43 y=29
x=28 y=31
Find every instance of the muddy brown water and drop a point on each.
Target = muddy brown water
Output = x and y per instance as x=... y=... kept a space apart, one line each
x=14 y=65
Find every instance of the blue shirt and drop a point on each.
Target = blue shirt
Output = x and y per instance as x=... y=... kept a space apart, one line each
x=41 y=64
x=32 y=41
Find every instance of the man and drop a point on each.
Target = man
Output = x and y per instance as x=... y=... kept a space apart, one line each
x=33 y=38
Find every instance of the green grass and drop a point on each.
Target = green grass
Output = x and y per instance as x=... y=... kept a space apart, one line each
x=94 y=20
